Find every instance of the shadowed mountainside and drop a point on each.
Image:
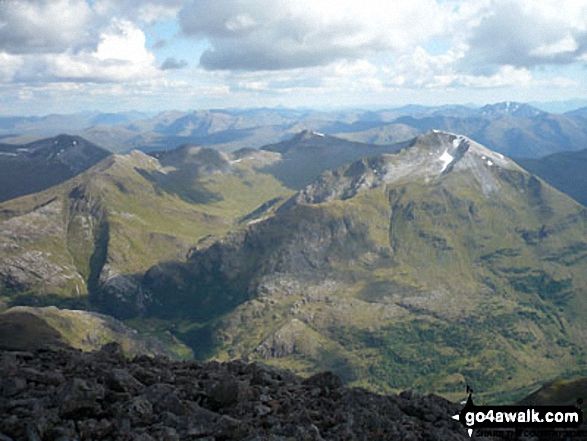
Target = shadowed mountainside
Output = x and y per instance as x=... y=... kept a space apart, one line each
x=36 y=166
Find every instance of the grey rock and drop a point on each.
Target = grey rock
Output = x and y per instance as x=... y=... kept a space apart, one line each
x=102 y=398
x=78 y=398
x=324 y=380
x=121 y=380
x=12 y=386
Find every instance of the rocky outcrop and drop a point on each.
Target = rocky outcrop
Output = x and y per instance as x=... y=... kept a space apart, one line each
x=70 y=395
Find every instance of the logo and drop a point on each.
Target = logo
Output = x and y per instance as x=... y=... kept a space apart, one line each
x=475 y=417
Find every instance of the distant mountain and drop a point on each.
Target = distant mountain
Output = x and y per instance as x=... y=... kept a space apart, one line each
x=577 y=112
x=38 y=165
x=26 y=328
x=513 y=129
x=310 y=153
x=442 y=265
x=382 y=134
x=51 y=125
x=565 y=171
x=518 y=110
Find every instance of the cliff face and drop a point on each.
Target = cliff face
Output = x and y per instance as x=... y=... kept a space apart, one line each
x=67 y=394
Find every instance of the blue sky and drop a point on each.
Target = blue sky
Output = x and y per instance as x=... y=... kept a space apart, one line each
x=62 y=56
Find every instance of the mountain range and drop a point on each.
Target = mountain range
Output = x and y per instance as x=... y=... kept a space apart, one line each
x=510 y=128
x=429 y=264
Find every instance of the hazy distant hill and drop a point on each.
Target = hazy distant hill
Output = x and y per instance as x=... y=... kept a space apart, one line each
x=308 y=154
x=51 y=125
x=513 y=129
x=38 y=165
x=566 y=171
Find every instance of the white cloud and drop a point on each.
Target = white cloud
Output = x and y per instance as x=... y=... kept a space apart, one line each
x=120 y=56
x=567 y=44
x=279 y=50
x=41 y=26
x=9 y=64
x=143 y=10
x=280 y=34
x=526 y=33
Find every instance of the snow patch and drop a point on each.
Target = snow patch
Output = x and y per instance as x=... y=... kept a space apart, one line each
x=236 y=161
x=489 y=163
x=8 y=154
x=446 y=158
x=318 y=134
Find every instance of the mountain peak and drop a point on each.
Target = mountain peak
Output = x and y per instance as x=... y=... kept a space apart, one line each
x=35 y=166
x=431 y=156
x=512 y=108
x=448 y=149
x=306 y=135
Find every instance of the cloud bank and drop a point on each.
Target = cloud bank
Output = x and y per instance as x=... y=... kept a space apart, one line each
x=262 y=50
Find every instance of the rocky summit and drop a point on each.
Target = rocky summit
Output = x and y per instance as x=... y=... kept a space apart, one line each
x=72 y=395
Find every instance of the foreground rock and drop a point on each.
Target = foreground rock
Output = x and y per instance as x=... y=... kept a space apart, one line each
x=72 y=395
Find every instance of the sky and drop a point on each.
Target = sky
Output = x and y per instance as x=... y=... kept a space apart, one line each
x=64 y=56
